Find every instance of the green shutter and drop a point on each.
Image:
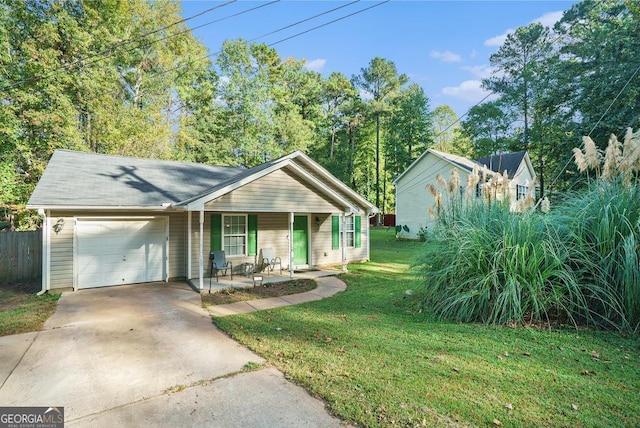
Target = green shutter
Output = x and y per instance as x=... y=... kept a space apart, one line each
x=216 y=232
x=358 y=232
x=335 y=232
x=252 y=234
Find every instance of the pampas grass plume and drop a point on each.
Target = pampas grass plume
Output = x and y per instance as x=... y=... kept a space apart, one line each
x=579 y=159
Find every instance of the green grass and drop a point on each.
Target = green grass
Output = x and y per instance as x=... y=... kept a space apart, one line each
x=378 y=363
x=21 y=311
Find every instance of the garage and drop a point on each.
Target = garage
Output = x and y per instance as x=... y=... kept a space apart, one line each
x=120 y=251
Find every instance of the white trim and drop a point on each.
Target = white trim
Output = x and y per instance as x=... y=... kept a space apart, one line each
x=343 y=239
x=46 y=250
x=159 y=208
x=167 y=245
x=246 y=233
x=291 y=268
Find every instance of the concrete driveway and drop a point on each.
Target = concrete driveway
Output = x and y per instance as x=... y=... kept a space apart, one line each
x=147 y=354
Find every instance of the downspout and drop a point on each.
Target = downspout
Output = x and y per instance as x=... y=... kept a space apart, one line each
x=45 y=252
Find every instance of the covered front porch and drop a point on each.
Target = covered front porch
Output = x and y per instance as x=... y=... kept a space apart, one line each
x=211 y=285
x=306 y=244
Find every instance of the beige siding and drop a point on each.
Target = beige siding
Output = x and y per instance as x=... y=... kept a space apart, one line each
x=61 y=265
x=178 y=245
x=280 y=191
x=412 y=197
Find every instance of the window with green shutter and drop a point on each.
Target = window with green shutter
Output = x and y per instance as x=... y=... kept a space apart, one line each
x=358 y=232
x=252 y=232
x=335 y=232
x=216 y=232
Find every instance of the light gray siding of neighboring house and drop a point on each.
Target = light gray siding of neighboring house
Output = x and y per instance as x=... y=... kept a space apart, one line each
x=61 y=263
x=280 y=191
x=413 y=199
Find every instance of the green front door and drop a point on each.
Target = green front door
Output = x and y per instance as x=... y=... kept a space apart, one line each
x=300 y=240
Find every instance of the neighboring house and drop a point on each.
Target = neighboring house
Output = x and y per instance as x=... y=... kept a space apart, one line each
x=110 y=220
x=413 y=199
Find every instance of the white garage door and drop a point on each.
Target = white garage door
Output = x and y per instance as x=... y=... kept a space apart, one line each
x=113 y=252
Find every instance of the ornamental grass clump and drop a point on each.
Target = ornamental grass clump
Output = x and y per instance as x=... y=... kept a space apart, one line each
x=495 y=266
x=602 y=225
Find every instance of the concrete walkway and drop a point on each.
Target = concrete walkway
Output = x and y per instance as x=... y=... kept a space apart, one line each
x=327 y=286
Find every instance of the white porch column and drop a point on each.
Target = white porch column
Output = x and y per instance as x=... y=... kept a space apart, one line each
x=189 y=247
x=291 y=266
x=46 y=250
x=344 y=242
x=201 y=252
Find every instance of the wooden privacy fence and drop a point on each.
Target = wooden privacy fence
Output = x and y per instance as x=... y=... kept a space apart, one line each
x=20 y=256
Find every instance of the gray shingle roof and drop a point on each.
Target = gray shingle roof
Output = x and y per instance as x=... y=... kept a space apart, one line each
x=95 y=180
x=504 y=161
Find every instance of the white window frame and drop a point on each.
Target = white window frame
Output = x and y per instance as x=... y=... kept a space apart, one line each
x=245 y=235
x=521 y=191
x=351 y=231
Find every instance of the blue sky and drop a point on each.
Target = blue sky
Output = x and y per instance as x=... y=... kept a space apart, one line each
x=444 y=46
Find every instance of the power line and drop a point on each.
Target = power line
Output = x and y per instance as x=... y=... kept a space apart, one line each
x=330 y=22
x=283 y=28
x=102 y=54
x=302 y=21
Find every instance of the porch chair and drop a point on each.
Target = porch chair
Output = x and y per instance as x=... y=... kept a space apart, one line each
x=268 y=260
x=219 y=263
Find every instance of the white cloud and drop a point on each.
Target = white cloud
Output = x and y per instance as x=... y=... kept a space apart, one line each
x=446 y=56
x=481 y=71
x=469 y=90
x=498 y=40
x=548 y=20
x=315 y=64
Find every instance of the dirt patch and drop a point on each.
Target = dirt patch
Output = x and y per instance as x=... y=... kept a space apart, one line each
x=233 y=295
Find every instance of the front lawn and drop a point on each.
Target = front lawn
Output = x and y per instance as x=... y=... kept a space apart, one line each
x=21 y=311
x=378 y=363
